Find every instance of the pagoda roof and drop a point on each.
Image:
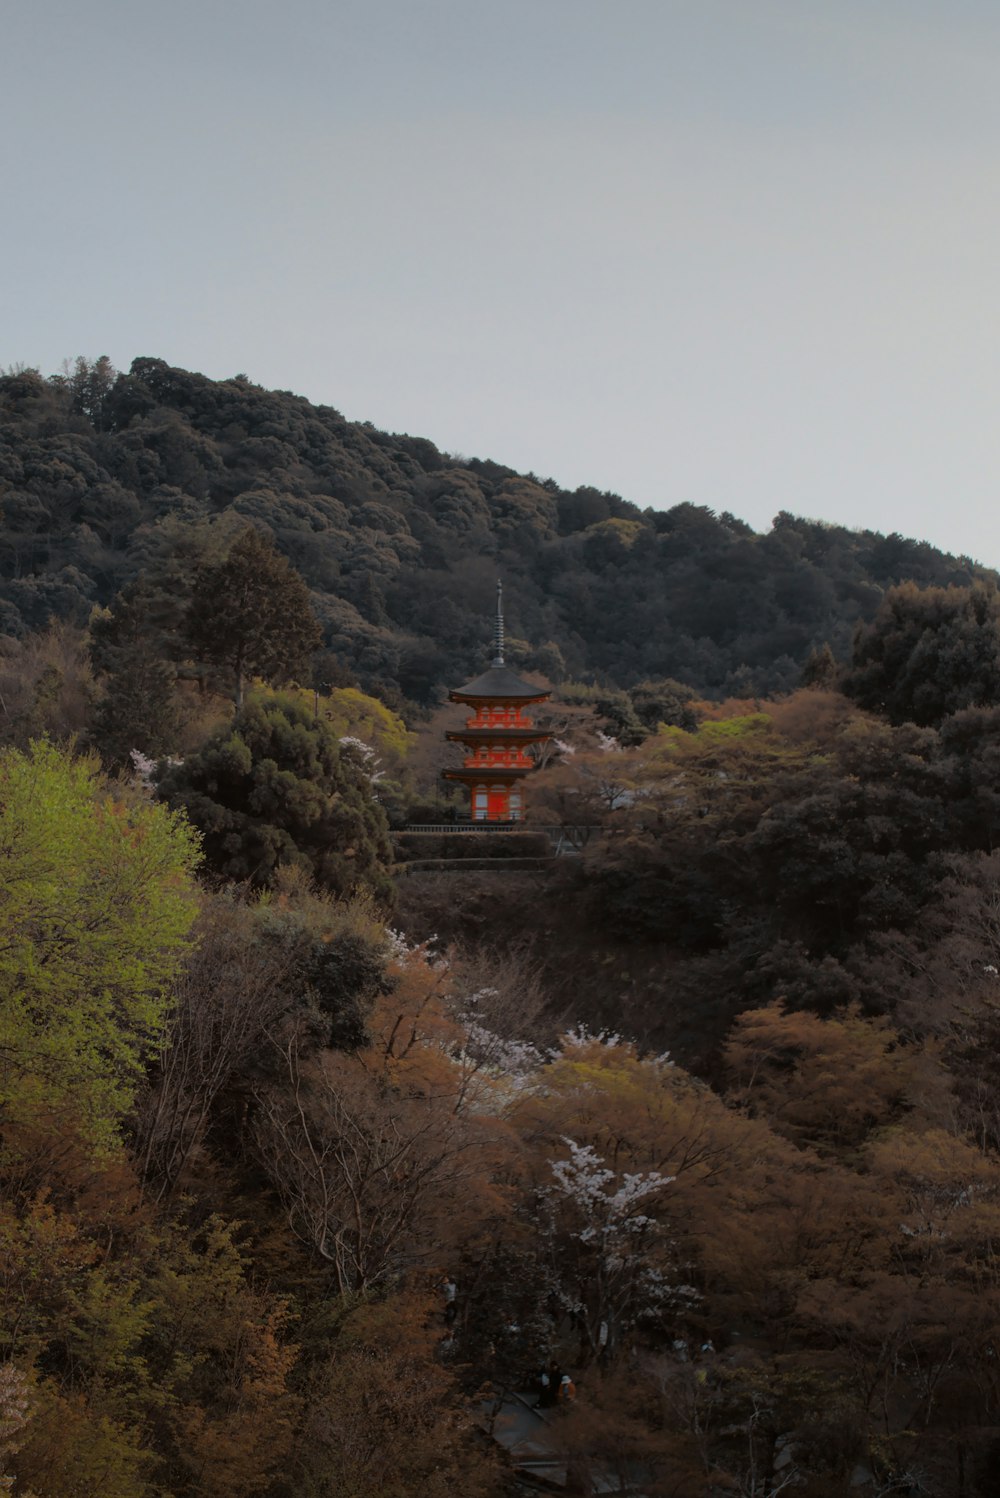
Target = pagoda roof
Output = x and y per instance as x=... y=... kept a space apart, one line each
x=503 y=684
x=486 y=773
x=497 y=735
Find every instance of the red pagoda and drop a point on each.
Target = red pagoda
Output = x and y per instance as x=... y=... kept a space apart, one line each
x=496 y=736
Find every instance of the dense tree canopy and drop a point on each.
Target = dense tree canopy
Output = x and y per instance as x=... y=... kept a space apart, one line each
x=761 y=1278
x=276 y=788
x=928 y=653
x=290 y=1201
x=158 y=469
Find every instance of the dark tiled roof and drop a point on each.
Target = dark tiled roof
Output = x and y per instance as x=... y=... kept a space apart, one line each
x=501 y=682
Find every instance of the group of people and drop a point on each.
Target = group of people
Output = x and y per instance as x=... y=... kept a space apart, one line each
x=554 y=1387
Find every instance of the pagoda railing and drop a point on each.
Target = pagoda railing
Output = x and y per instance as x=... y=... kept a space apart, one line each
x=467 y=826
x=498 y=762
x=512 y=719
x=564 y=839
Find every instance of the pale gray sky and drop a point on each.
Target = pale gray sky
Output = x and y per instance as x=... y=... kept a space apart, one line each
x=737 y=252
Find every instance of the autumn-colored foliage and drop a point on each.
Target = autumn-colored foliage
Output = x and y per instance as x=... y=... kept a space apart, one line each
x=292 y=1203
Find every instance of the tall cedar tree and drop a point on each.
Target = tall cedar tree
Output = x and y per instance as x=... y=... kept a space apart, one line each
x=130 y=649
x=250 y=615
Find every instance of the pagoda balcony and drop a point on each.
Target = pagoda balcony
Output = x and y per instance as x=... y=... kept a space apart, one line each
x=498 y=717
x=498 y=762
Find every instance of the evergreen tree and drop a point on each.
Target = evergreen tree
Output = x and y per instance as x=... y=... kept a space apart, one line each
x=138 y=709
x=277 y=789
x=820 y=669
x=928 y=652
x=250 y=615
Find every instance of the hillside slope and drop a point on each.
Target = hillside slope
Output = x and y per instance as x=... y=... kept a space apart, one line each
x=105 y=475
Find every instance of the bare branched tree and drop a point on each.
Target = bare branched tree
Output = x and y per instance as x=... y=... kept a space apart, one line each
x=233 y=990
x=364 y=1171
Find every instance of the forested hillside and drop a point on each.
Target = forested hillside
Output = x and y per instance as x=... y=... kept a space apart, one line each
x=104 y=476
x=317 y=1165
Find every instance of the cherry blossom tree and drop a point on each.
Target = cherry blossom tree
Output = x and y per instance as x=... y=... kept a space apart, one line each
x=609 y=1246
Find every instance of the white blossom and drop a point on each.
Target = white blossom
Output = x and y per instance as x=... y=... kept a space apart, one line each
x=622 y=1255
x=579 y=1036
x=401 y=951
x=584 y=1178
x=514 y=1059
x=368 y=760
x=482 y=993
x=15 y=1413
x=145 y=768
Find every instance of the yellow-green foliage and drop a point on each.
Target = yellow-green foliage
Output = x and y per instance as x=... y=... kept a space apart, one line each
x=97 y=900
x=627 y=532
x=722 y=731
x=350 y=711
x=731 y=747
x=72 y=1447
x=151 y=1363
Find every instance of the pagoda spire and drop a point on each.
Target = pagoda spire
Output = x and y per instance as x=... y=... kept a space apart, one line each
x=498 y=629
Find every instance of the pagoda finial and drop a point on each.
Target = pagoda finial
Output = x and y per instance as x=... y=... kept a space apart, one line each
x=498 y=629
